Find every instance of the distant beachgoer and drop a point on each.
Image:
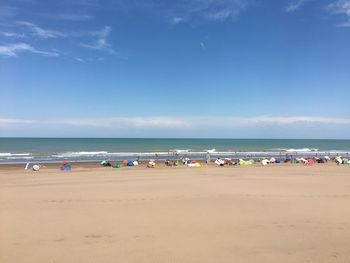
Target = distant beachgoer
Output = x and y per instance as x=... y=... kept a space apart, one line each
x=207 y=158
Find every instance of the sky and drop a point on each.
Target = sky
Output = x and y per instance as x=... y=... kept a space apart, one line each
x=187 y=68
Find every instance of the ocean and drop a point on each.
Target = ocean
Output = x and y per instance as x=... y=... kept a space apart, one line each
x=45 y=150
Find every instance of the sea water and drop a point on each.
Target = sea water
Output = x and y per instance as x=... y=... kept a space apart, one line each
x=22 y=150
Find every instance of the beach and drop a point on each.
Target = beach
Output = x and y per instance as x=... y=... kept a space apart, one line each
x=278 y=213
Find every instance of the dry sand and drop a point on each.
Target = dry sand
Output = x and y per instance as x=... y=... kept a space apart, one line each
x=176 y=214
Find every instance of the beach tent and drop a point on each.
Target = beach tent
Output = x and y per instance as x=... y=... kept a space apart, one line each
x=63 y=163
x=105 y=163
x=219 y=162
x=130 y=163
x=117 y=165
x=302 y=160
x=135 y=163
x=310 y=162
x=243 y=162
x=66 y=167
x=125 y=162
x=36 y=167
x=265 y=162
x=272 y=160
x=338 y=160
x=327 y=158
x=151 y=164
x=194 y=165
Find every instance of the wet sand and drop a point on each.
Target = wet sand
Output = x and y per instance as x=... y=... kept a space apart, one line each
x=175 y=214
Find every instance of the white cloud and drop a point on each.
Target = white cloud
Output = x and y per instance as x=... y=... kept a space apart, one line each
x=294 y=5
x=71 y=17
x=341 y=7
x=177 y=20
x=202 y=45
x=12 y=50
x=161 y=126
x=15 y=121
x=205 y=10
x=11 y=34
x=162 y=122
x=79 y=59
x=41 y=32
x=102 y=40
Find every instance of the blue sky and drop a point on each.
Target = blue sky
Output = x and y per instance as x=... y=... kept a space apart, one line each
x=189 y=68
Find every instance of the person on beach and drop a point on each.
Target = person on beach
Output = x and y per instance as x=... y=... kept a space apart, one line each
x=207 y=158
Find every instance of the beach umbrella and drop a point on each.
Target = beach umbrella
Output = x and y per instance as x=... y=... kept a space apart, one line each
x=310 y=162
x=265 y=162
x=63 y=163
x=36 y=167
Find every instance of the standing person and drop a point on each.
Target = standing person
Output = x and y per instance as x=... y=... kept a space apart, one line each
x=207 y=158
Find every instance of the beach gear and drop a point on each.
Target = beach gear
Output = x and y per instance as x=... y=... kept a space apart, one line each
x=243 y=162
x=219 y=162
x=310 y=162
x=125 y=162
x=130 y=163
x=36 y=167
x=66 y=167
x=117 y=165
x=105 y=163
x=265 y=162
x=26 y=167
x=135 y=163
x=278 y=161
x=63 y=163
x=194 y=165
x=338 y=160
x=151 y=164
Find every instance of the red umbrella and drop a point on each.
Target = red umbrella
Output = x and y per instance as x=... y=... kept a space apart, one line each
x=63 y=163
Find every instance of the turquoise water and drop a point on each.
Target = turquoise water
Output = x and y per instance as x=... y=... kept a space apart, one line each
x=54 y=149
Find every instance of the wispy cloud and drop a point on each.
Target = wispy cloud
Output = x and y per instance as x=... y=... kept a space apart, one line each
x=101 y=43
x=186 y=122
x=91 y=39
x=182 y=126
x=12 y=50
x=208 y=10
x=8 y=121
x=69 y=17
x=194 y=11
x=176 y=20
x=202 y=45
x=341 y=7
x=11 y=34
x=41 y=32
x=293 y=5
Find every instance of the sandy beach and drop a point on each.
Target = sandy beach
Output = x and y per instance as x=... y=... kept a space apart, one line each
x=175 y=214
